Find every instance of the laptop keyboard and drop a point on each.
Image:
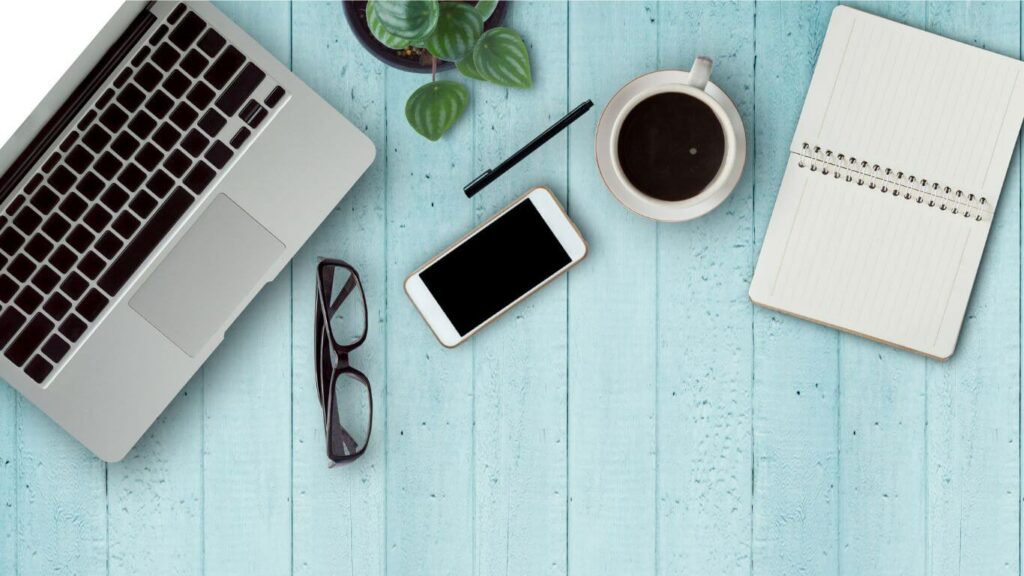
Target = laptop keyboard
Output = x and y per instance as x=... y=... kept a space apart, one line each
x=134 y=162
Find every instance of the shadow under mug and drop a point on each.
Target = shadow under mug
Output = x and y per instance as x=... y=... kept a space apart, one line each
x=694 y=83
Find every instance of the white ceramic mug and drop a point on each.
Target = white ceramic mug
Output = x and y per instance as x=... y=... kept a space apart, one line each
x=693 y=83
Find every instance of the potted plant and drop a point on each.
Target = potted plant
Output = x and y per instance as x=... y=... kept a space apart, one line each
x=418 y=35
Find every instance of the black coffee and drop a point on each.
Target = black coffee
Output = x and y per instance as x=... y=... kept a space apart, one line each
x=671 y=146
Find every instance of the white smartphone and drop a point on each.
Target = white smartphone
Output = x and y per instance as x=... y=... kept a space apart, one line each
x=495 y=266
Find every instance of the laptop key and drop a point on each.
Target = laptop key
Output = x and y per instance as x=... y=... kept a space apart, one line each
x=56 y=227
x=108 y=165
x=159 y=104
x=79 y=158
x=131 y=177
x=87 y=119
x=80 y=238
x=199 y=178
x=11 y=240
x=274 y=97
x=186 y=32
x=195 y=143
x=140 y=247
x=224 y=67
x=72 y=328
x=176 y=13
x=142 y=125
x=96 y=138
x=39 y=247
x=113 y=118
x=27 y=220
x=149 y=157
x=28 y=341
x=21 y=268
x=8 y=287
x=240 y=137
x=122 y=78
x=148 y=77
x=166 y=56
x=184 y=116
x=51 y=162
x=219 y=154
x=63 y=258
x=44 y=200
x=55 y=348
x=90 y=186
x=211 y=42
x=166 y=136
x=68 y=141
x=28 y=300
x=45 y=279
x=201 y=95
x=158 y=35
x=212 y=122
x=131 y=97
x=38 y=369
x=177 y=163
x=97 y=218
x=140 y=56
x=109 y=244
x=114 y=198
x=142 y=204
x=90 y=266
x=74 y=285
x=105 y=98
x=240 y=89
x=125 y=145
x=160 y=184
x=57 y=306
x=34 y=183
x=61 y=179
x=176 y=84
x=11 y=320
x=194 y=63
x=126 y=224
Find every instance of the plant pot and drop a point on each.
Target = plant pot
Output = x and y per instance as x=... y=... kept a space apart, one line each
x=355 y=13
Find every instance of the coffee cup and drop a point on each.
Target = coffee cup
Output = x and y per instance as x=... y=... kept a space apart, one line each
x=670 y=144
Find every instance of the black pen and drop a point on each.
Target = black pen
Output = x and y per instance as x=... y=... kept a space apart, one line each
x=492 y=174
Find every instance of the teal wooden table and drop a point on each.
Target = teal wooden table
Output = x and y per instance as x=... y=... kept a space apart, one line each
x=636 y=417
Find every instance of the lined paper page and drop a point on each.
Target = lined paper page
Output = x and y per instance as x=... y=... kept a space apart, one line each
x=914 y=102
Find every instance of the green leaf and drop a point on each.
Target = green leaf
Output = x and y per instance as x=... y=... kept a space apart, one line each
x=468 y=68
x=412 y=19
x=434 y=107
x=458 y=28
x=485 y=8
x=380 y=32
x=500 y=57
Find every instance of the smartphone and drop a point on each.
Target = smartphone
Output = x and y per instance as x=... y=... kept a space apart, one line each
x=495 y=266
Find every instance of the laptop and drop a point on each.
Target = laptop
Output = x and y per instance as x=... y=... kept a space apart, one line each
x=153 y=178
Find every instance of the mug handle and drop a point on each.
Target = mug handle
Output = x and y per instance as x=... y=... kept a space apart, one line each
x=700 y=73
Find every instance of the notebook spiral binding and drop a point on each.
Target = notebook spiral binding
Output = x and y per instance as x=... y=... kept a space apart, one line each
x=894 y=182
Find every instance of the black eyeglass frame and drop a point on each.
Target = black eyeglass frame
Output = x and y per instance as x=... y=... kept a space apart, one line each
x=333 y=430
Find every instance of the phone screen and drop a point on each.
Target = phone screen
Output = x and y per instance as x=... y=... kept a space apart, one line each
x=500 y=263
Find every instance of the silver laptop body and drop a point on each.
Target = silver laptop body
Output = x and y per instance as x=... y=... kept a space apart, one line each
x=124 y=281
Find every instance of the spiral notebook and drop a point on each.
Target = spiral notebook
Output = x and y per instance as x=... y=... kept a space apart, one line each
x=892 y=183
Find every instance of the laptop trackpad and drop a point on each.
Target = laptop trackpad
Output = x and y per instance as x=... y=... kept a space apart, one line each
x=203 y=281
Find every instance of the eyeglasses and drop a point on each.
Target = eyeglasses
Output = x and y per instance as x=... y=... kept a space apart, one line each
x=339 y=327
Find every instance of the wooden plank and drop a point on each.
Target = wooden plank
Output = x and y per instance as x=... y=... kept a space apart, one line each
x=429 y=468
x=155 y=494
x=62 y=505
x=247 y=450
x=795 y=394
x=8 y=479
x=339 y=521
x=973 y=400
x=705 y=349
x=612 y=316
x=520 y=362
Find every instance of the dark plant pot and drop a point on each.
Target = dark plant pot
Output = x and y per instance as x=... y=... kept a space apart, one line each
x=355 y=13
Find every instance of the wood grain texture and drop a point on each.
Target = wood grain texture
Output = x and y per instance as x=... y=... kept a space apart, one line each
x=612 y=316
x=339 y=527
x=795 y=391
x=247 y=448
x=520 y=363
x=430 y=393
x=638 y=416
x=973 y=475
x=705 y=352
